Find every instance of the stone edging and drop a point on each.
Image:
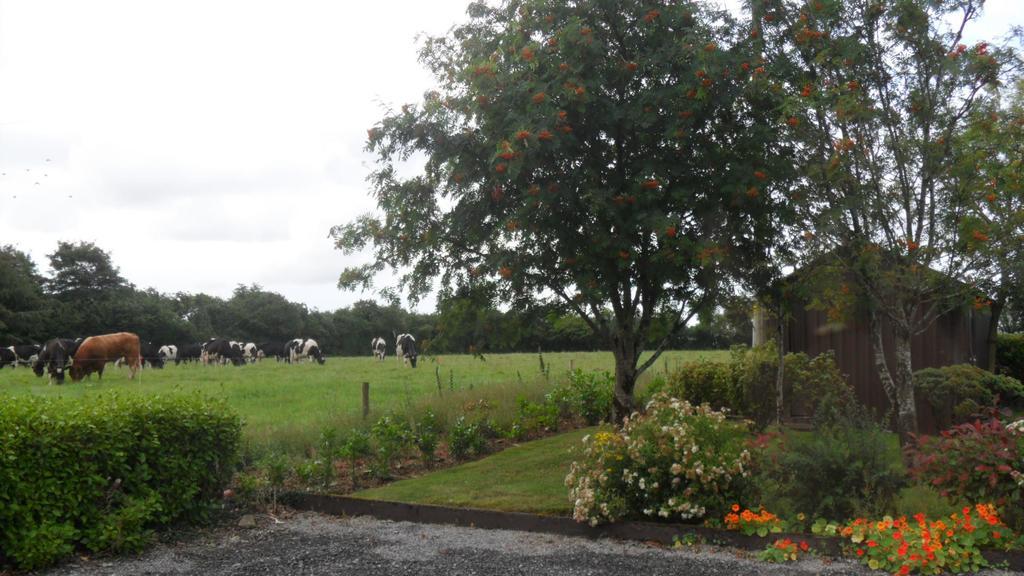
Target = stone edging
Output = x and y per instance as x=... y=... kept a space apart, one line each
x=665 y=534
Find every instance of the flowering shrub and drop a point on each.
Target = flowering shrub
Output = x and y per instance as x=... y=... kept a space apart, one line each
x=676 y=461
x=749 y=522
x=975 y=462
x=918 y=545
x=784 y=550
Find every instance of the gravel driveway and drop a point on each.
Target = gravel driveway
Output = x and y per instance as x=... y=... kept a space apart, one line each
x=312 y=544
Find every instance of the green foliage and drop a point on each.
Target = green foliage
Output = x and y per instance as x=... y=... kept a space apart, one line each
x=101 y=472
x=355 y=447
x=835 y=472
x=746 y=385
x=465 y=438
x=586 y=395
x=1010 y=355
x=961 y=392
x=674 y=462
x=391 y=436
x=428 y=429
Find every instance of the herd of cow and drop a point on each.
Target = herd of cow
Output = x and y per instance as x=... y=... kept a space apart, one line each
x=83 y=357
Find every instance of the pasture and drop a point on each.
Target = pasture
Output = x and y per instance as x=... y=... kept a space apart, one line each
x=286 y=407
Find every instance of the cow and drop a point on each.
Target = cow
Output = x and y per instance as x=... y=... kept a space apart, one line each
x=405 y=348
x=95 y=351
x=274 y=350
x=189 y=353
x=250 y=352
x=151 y=355
x=168 y=352
x=55 y=357
x=24 y=354
x=379 y=347
x=223 y=350
x=7 y=356
x=300 y=348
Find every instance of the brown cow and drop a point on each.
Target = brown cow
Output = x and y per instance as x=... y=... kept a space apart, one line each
x=96 y=351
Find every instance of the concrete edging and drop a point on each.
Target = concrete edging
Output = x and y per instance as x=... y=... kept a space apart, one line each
x=665 y=534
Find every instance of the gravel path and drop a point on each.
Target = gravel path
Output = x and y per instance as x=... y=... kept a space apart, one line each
x=310 y=545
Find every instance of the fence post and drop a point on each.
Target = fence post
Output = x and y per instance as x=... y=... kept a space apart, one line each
x=572 y=365
x=437 y=376
x=366 y=399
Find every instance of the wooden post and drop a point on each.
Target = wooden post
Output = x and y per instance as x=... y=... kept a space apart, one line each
x=366 y=399
x=437 y=376
x=572 y=365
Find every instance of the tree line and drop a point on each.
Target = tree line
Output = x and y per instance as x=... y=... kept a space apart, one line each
x=85 y=294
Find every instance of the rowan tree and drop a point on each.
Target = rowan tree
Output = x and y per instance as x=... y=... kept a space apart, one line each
x=605 y=154
x=877 y=95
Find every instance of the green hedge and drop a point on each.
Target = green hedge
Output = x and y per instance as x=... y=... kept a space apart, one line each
x=959 y=393
x=746 y=385
x=1010 y=355
x=99 y=473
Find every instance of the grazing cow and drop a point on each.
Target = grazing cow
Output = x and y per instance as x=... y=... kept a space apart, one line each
x=168 y=352
x=405 y=348
x=7 y=356
x=189 y=353
x=24 y=354
x=95 y=351
x=300 y=348
x=250 y=352
x=274 y=350
x=379 y=347
x=224 y=351
x=55 y=357
x=151 y=355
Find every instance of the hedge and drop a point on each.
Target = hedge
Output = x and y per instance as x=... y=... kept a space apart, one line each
x=1010 y=355
x=100 y=473
x=960 y=392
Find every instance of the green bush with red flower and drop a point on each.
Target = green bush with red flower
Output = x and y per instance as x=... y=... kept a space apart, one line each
x=784 y=550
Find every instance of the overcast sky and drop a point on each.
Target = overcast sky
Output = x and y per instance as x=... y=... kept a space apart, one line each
x=211 y=143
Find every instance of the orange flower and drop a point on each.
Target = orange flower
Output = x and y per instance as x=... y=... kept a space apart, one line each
x=624 y=254
x=706 y=82
x=522 y=135
x=562 y=114
x=552 y=42
x=793 y=121
x=979 y=236
x=651 y=16
x=735 y=507
x=505 y=272
x=507 y=155
x=753 y=192
x=691 y=93
x=580 y=90
x=501 y=167
x=760 y=175
x=565 y=128
x=671 y=233
x=745 y=66
x=539 y=97
x=710 y=47
x=632 y=66
x=527 y=54
x=853 y=85
x=808 y=89
x=545 y=135
x=759 y=70
x=651 y=184
x=585 y=31
x=533 y=190
x=991 y=197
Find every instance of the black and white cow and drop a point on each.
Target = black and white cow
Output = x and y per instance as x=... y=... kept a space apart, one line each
x=7 y=356
x=300 y=348
x=189 y=353
x=25 y=354
x=405 y=348
x=168 y=352
x=55 y=357
x=223 y=351
x=379 y=347
x=276 y=350
x=250 y=352
x=150 y=354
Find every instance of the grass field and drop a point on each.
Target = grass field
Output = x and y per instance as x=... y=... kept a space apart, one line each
x=286 y=407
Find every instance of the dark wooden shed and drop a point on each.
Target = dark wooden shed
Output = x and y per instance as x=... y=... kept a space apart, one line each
x=957 y=337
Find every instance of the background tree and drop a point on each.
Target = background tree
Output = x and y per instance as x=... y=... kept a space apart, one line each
x=21 y=296
x=878 y=92
x=605 y=154
x=989 y=175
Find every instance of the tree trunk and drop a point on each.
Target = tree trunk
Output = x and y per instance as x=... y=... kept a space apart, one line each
x=780 y=375
x=906 y=407
x=993 y=330
x=625 y=381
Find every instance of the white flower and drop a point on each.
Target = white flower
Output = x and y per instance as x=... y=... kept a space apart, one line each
x=676 y=469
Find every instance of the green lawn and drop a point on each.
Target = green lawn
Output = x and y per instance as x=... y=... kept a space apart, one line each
x=525 y=478
x=286 y=407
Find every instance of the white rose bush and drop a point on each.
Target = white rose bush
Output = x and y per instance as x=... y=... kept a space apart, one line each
x=674 y=462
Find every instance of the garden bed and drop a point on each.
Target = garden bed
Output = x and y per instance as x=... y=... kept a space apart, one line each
x=650 y=532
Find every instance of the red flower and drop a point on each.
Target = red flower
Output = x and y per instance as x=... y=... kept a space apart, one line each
x=991 y=197
x=501 y=167
x=745 y=66
x=580 y=90
x=706 y=82
x=808 y=89
x=632 y=66
x=562 y=114
x=804 y=545
x=860 y=551
x=651 y=184
x=545 y=135
x=522 y=135
x=979 y=236
x=505 y=272
x=760 y=175
x=563 y=66
x=507 y=155
x=539 y=97
x=651 y=16
x=793 y=121
x=904 y=570
x=872 y=543
x=527 y=54
x=853 y=85
x=759 y=70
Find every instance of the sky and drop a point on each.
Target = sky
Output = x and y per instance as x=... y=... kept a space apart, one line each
x=207 y=144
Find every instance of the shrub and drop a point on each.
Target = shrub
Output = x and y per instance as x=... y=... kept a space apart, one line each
x=960 y=392
x=834 y=472
x=464 y=438
x=427 y=431
x=675 y=461
x=101 y=472
x=587 y=395
x=355 y=446
x=1010 y=355
x=700 y=382
x=391 y=437
x=535 y=417
x=975 y=462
